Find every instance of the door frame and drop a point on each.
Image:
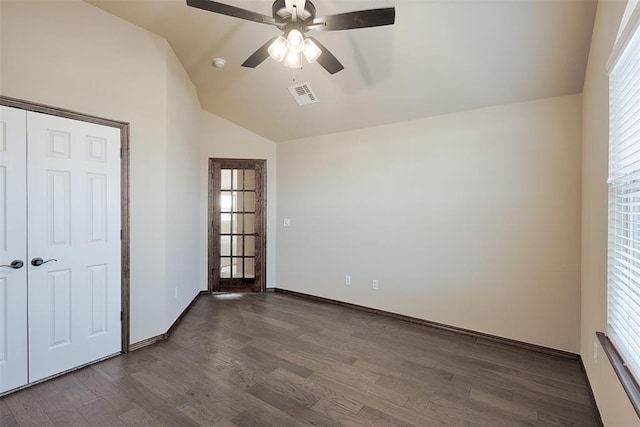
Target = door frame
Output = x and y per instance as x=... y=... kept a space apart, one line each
x=261 y=252
x=124 y=193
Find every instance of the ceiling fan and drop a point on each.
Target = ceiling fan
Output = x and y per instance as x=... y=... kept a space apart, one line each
x=295 y=18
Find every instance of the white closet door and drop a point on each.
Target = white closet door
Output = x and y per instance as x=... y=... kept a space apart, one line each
x=74 y=227
x=13 y=246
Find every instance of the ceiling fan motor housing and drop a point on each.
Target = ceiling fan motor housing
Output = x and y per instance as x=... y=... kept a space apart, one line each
x=282 y=15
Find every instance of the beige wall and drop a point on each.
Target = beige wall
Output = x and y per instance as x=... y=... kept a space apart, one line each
x=221 y=138
x=182 y=190
x=613 y=403
x=470 y=219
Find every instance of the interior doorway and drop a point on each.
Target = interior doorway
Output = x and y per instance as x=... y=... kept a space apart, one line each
x=237 y=232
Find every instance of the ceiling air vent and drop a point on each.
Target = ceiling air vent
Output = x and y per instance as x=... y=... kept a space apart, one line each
x=303 y=94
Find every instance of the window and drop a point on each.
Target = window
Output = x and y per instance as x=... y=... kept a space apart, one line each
x=623 y=277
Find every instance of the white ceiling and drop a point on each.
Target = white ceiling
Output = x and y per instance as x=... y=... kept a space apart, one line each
x=439 y=57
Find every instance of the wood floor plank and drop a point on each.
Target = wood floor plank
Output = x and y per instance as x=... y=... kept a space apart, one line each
x=161 y=387
x=103 y=388
x=62 y=412
x=413 y=387
x=308 y=360
x=559 y=408
x=99 y=413
x=278 y=360
x=74 y=390
x=524 y=412
x=290 y=406
x=379 y=418
x=123 y=365
x=307 y=391
x=260 y=413
x=6 y=416
x=340 y=415
x=560 y=420
x=250 y=317
x=275 y=361
x=152 y=403
x=197 y=384
x=464 y=412
x=247 y=419
x=201 y=414
x=348 y=375
x=223 y=423
x=136 y=416
x=26 y=410
x=381 y=403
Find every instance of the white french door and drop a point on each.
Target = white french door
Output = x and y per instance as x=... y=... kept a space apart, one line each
x=74 y=228
x=13 y=249
x=70 y=245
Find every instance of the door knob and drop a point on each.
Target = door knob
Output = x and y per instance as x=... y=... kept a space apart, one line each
x=15 y=264
x=37 y=262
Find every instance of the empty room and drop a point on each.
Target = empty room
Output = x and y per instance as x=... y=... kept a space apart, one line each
x=290 y=212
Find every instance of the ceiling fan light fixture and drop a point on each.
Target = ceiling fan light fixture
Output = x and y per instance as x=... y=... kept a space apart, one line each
x=311 y=51
x=292 y=60
x=293 y=18
x=295 y=41
x=278 y=49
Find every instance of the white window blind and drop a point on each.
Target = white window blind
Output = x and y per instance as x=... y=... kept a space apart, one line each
x=623 y=279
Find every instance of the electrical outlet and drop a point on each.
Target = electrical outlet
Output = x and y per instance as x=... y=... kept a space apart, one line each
x=595 y=352
x=374 y=284
x=347 y=280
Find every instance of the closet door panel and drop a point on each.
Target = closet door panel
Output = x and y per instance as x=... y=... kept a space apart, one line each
x=13 y=247
x=74 y=227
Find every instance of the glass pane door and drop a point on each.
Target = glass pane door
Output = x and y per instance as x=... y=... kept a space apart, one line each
x=236 y=238
x=237 y=223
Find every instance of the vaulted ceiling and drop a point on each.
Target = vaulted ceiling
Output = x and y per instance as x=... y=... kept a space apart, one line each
x=439 y=57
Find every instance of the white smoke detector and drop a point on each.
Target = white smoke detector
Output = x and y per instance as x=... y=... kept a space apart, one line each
x=219 y=62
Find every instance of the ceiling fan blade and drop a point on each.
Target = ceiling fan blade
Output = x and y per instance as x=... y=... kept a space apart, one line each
x=353 y=20
x=327 y=60
x=236 y=12
x=259 y=55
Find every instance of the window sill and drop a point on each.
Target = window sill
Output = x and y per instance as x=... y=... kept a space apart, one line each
x=626 y=378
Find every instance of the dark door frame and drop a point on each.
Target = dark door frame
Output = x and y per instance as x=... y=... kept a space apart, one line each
x=124 y=193
x=261 y=226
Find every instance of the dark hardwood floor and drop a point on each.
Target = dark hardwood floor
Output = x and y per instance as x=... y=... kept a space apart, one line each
x=277 y=360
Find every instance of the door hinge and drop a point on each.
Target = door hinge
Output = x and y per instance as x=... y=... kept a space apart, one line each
x=120 y=152
x=121 y=316
x=121 y=234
